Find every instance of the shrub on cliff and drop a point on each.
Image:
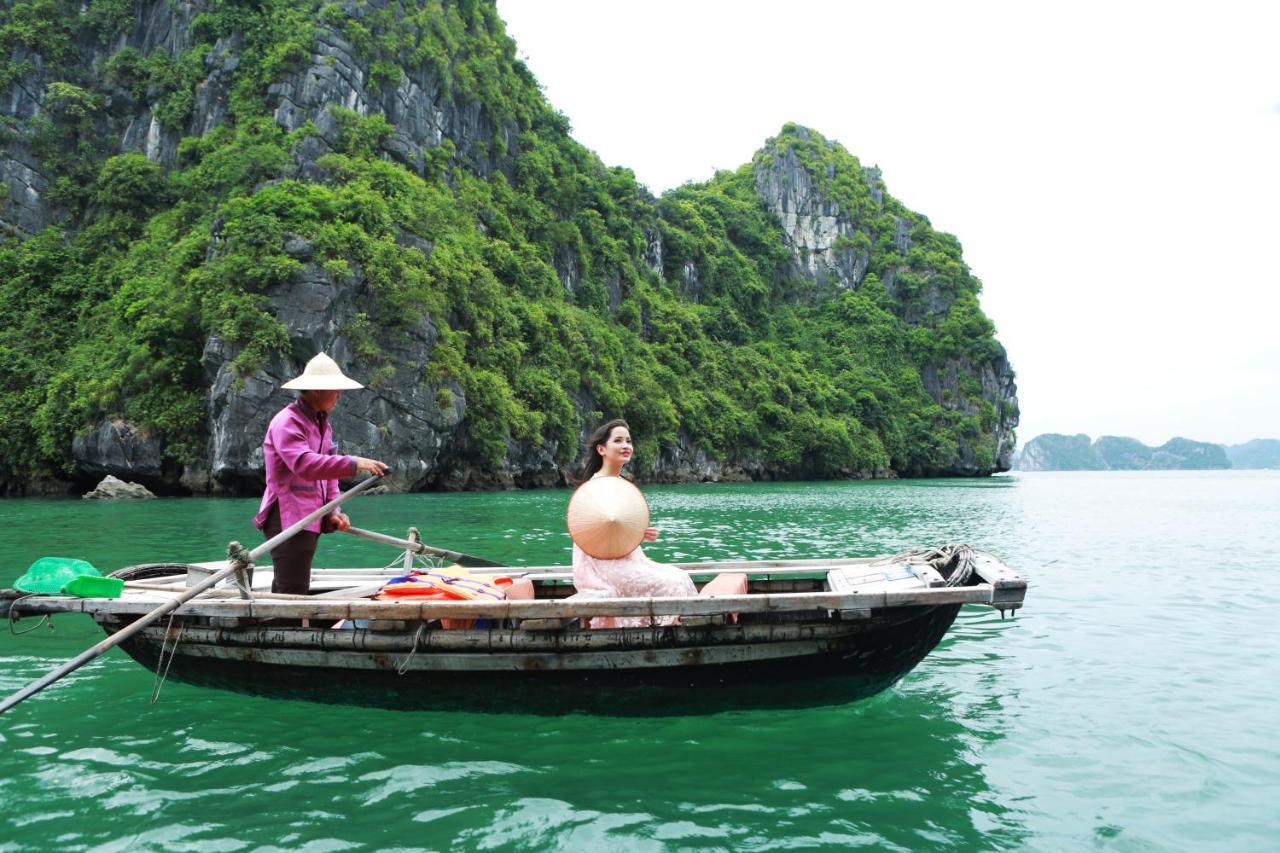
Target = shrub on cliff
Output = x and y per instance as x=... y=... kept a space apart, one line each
x=531 y=258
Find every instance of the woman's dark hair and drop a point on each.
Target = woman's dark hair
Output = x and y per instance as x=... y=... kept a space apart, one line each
x=595 y=461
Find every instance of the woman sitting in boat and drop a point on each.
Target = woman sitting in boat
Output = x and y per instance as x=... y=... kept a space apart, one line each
x=303 y=471
x=634 y=575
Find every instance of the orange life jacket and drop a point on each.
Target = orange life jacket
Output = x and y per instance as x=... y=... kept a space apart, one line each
x=447 y=584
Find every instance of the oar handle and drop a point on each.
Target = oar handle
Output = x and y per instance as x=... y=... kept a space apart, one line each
x=422 y=548
x=173 y=604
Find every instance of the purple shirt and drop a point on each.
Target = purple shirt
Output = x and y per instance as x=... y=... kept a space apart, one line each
x=302 y=470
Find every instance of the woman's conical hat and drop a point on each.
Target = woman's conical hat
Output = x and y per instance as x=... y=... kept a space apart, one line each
x=607 y=517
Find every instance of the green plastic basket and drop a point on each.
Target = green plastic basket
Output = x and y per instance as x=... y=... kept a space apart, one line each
x=48 y=575
x=93 y=586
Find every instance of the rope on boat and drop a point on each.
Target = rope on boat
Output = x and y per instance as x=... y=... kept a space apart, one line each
x=12 y=621
x=403 y=666
x=237 y=553
x=242 y=582
x=160 y=664
x=954 y=562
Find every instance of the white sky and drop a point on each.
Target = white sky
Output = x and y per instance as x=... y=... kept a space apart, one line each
x=1111 y=169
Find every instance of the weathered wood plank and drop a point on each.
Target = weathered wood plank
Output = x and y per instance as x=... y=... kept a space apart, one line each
x=701 y=621
x=331 y=578
x=388 y=625
x=776 y=568
x=543 y=625
x=993 y=571
x=500 y=661
x=814 y=567
x=929 y=575
x=549 y=608
x=352 y=592
x=1008 y=598
x=1002 y=588
x=505 y=639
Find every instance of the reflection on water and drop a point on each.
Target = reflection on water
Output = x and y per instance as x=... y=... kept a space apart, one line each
x=1128 y=706
x=209 y=769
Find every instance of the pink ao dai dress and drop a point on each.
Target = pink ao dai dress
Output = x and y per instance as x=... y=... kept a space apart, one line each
x=632 y=576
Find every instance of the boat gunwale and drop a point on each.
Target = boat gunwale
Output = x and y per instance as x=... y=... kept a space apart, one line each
x=777 y=602
x=582 y=660
x=496 y=638
x=1000 y=587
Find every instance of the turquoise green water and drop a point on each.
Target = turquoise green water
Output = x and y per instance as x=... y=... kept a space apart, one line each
x=1130 y=706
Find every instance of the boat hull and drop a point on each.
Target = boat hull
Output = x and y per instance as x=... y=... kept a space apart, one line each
x=631 y=671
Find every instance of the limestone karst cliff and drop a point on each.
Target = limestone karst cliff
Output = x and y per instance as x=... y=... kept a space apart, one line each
x=202 y=195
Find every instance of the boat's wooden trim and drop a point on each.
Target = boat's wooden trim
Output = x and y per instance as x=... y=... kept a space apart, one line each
x=995 y=572
x=335 y=579
x=510 y=661
x=338 y=578
x=484 y=641
x=141 y=602
x=1008 y=589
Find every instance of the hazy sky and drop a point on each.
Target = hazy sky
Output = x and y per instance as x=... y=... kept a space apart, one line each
x=1111 y=169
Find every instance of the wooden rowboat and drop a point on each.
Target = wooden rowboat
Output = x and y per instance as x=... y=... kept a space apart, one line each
x=844 y=628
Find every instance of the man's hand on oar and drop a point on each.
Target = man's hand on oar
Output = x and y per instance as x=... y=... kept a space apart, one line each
x=372 y=466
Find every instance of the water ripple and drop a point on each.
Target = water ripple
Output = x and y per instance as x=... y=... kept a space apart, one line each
x=1129 y=706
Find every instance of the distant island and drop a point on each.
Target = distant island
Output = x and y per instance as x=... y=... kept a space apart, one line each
x=1259 y=453
x=1057 y=452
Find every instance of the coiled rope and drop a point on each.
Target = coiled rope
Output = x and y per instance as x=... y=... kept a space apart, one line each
x=954 y=562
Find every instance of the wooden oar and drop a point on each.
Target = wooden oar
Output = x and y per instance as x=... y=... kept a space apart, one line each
x=236 y=562
x=461 y=559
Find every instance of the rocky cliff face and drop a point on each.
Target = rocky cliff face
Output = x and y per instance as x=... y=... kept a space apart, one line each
x=401 y=419
x=164 y=27
x=996 y=379
x=824 y=241
x=812 y=224
x=422 y=115
x=404 y=418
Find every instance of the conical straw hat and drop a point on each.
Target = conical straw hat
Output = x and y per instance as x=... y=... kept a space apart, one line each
x=607 y=517
x=321 y=374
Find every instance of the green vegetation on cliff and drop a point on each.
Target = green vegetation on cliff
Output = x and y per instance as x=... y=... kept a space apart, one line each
x=109 y=314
